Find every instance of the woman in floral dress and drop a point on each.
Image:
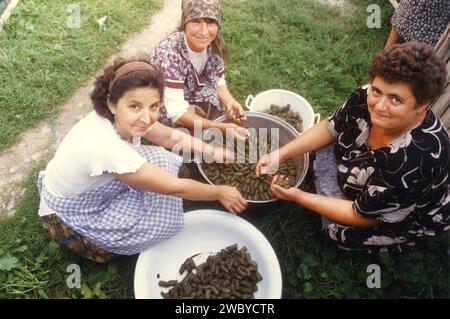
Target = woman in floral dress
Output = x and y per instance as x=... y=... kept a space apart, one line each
x=386 y=183
x=193 y=60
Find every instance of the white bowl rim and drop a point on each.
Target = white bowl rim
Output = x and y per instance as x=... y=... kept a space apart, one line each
x=308 y=105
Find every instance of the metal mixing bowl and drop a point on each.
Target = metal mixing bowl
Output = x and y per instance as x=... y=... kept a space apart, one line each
x=286 y=134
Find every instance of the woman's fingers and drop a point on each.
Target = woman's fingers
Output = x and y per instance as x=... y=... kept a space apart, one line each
x=230 y=114
x=241 y=206
x=243 y=116
x=262 y=163
x=278 y=178
x=274 y=180
x=232 y=199
x=238 y=208
x=242 y=133
x=240 y=202
x=278 y=191
x=232 y=210
x=243 y=201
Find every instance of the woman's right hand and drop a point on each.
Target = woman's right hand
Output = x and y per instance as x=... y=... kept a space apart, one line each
x=231 y=199
x=268 y=163
x=237 y=132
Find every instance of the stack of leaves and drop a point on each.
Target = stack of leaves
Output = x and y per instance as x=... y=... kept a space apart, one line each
x=229 y=274
x=286 y=114
x=241 y=174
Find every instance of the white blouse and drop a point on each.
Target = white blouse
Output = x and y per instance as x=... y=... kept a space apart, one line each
x=87 y=155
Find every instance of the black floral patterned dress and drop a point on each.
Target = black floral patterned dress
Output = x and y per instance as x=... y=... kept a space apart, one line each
x=404 y=184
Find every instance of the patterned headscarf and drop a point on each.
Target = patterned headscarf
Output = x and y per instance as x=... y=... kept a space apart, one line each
x=194 y=9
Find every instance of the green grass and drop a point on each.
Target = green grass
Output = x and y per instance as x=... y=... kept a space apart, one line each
x=43 y=61
x=313 y=267
x=304 y=47
x=33 y=266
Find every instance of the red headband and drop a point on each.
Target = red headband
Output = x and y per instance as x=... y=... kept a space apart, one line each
x=128 y=68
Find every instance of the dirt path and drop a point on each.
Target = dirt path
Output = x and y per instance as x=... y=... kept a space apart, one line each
x=38 y=144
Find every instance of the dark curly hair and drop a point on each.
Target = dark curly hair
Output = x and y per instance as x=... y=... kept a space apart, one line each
x=411 y=63
x=99 y=96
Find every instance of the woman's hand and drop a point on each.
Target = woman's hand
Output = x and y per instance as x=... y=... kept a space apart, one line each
x=291 y=194
x=235 y=112
x=268 y=163
x=237 y=132
x=231 y=199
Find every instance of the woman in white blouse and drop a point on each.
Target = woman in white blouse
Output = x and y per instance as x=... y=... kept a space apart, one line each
x=104 y=194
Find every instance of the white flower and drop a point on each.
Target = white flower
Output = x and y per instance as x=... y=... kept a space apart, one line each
x=362 y=124
x=401 y=142
x=342 y=168
x=101 y=22
x=360 y=176
x=362 y=137
x=373 y=189
x=437 y=218
x=332 y=230
x=398 y=215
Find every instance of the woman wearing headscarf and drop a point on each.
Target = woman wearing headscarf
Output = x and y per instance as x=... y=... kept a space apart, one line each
x=192 y=60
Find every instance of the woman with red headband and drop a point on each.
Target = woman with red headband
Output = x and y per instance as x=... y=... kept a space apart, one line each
x=104 y=194
x=192 y=60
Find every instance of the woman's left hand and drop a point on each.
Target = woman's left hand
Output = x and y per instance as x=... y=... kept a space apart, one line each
x=235 y=112
x=291 y=194
x=237 y=132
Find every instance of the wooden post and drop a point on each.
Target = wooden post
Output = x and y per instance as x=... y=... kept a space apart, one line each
x=441 y=106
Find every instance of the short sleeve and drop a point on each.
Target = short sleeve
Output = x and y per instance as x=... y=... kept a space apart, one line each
x=175 y=70
x=116 y=157
x=348 y=112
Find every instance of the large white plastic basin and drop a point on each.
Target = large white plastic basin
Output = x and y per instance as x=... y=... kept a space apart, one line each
x=263 y=101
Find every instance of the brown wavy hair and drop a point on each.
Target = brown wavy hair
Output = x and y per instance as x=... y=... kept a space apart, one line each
x=100 y=94
x=411 y=63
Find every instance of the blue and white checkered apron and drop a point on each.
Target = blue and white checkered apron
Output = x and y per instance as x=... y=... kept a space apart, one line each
x=121 y=218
